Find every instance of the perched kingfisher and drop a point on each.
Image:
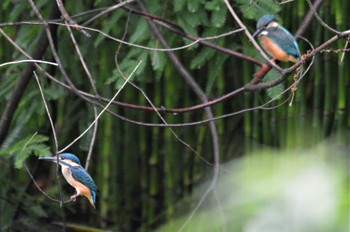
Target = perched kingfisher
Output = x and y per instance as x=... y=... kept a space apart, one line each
x=76 y=176
x=277 y=40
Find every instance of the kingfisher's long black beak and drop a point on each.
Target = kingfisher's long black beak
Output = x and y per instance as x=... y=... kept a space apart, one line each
x=54 y=159
x=257 y=32
x=51 y=158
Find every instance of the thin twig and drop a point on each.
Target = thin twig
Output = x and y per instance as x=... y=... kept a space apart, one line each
x=30 y=174
x=106 y=11
x=55 y=140
x=68 y=19
x=28 y=61
x=92 y=83
x=37 y=186
x=48 y=113
x=304 y=25
x=325 y=25
x=103 y=110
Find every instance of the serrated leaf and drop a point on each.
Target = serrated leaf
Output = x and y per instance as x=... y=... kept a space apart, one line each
x=6 y=84
x=141 y=32
x=179 y=5
x=27 y=146
x=40 y=150
x=219 y=17
x=202 y=57
x=189 y=22
x=20 y=144
x=17 y=12
x=158 y=61
x=274 y=92
x=107 y=27
x=213 y=5
x=193 y=5
x=84 y=142
x=256 y=9
x=214 y=72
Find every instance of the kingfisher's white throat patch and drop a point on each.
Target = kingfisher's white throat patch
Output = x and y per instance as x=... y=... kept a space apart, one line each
x=67 y=162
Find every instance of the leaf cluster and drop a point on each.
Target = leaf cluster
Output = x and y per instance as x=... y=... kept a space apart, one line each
x=22 y=149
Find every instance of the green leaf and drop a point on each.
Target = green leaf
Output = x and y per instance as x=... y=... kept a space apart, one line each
x=7 y=82
x=189 y=22
x=141 y=32
x=219 y=17
x=276 y=90
x=202 y=57
x=158 y=60
x=215 y=70
x=36 y=211
x=213 y=5
x=193 y=5
x=107 y=27
x=256 y=9
x=179 y=5
x=27 y=146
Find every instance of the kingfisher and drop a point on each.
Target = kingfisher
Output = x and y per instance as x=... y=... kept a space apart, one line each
x=276 y=40
x=76 y=176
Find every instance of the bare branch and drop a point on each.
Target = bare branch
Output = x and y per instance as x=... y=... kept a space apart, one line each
x=325 y=25
x=28 y=61
x=48 y=113
x=106 y=11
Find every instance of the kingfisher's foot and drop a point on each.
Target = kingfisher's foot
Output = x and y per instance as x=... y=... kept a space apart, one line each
x=74 y=197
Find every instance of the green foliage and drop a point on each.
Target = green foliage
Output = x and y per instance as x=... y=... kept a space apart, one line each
x=277 y=90
x=36 y=211
x=179 y=5
x=189 y=22
x=219 y=17
x=7 y=83
x=256 y=9
x=141 y=32
x=158 y=61
x=107 y=27
x=193 y=6
x=17 y=11
x=215 y=68
x=24 y=148
x=201 y=58
x=218 y=13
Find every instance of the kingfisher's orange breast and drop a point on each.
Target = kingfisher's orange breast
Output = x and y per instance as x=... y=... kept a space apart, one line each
x=273 y=49
x=84 y=190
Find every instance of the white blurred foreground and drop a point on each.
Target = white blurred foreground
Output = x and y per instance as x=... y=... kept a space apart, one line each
x=270 y=191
